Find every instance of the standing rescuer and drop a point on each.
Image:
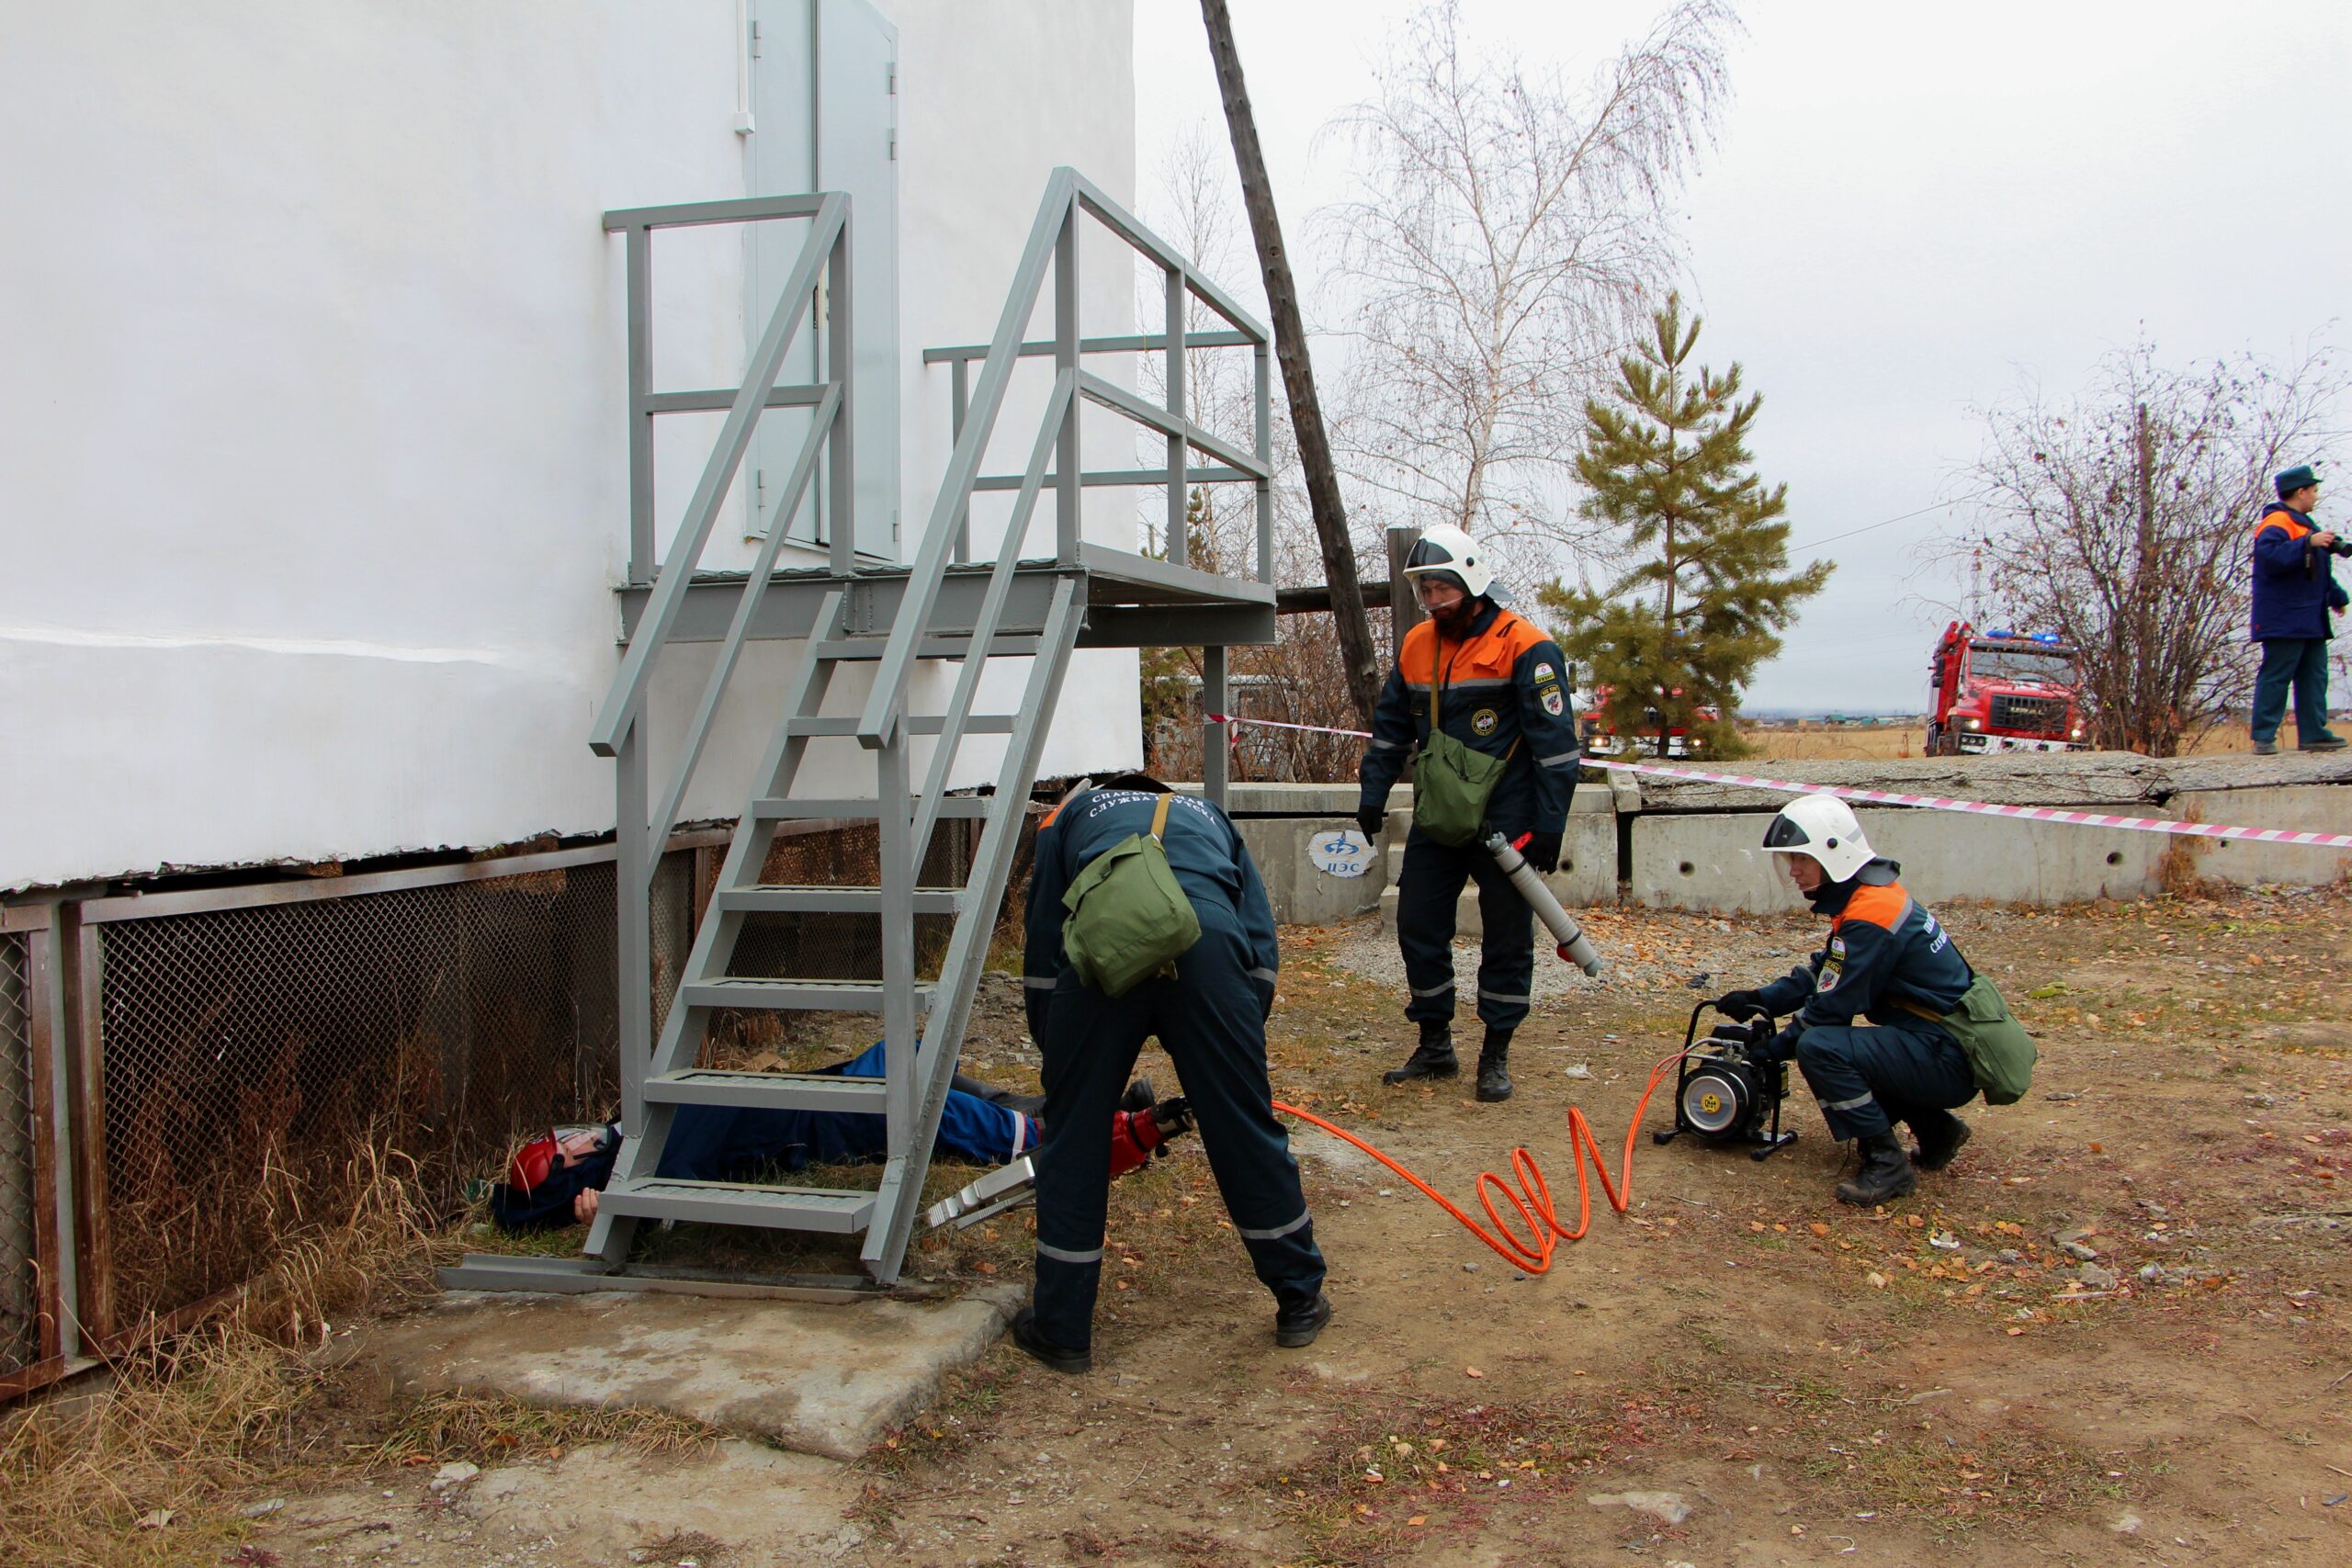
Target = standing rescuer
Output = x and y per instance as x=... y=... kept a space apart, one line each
x=2295 y=591
x=1481 y=697
x=1938 y=1030
x=1091 y=1010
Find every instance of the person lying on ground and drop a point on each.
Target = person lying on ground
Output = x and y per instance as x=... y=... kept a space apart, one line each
x=556 y=1179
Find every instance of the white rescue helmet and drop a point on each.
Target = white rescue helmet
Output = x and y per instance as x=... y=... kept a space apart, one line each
x=1824 y=827
x=1452 y=553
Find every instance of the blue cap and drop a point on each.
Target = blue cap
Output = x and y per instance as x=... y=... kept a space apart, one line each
x=2295 y=479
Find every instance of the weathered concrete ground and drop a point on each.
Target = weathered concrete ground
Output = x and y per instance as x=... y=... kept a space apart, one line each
x=1734 y=1372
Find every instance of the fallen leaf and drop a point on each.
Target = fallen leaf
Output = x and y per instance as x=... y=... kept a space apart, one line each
x=1472 y=1371
x=1418 y=1519
x=1817 y=1228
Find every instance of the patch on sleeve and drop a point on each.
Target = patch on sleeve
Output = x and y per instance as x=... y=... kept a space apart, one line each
x=1543 y=671
x=1837 y=947
x=1554 y=703
x=1829 y=974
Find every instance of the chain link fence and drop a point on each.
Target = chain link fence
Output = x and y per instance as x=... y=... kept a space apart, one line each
x=19 y=1256
x=249 y=1052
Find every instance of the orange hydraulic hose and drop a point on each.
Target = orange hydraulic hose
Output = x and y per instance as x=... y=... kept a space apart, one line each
x=1532 y=1195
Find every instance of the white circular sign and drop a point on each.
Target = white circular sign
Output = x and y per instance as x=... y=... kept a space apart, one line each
x=1339 y=851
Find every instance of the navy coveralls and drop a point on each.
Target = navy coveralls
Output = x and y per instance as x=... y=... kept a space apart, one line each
x=1887 y=959
x=2294 y=589
x=1503 y=691
x=1211 y=1019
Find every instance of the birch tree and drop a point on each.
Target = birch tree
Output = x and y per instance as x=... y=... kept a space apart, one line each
x=1511 y=233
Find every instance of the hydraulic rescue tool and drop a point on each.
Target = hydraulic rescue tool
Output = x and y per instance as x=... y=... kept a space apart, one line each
x=1137 y=1133
x=1727 y=1090
x=1573 y=946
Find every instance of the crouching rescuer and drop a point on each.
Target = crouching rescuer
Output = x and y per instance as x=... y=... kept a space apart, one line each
x=1480 y=697
x=1147 y=918
x=1938 y=1033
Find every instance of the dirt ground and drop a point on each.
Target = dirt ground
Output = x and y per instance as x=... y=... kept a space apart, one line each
x=2115 y=1330
x=1812 y=740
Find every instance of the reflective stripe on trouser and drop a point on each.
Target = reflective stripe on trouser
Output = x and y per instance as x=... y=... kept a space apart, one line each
x=1211 y=1021
x=1432 y=879
x=1868 y=1078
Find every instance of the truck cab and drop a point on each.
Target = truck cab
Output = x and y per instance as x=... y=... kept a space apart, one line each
x=1601 y=738
x=2002 y=691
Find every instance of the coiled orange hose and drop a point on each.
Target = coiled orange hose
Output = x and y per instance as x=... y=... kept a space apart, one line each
x=1532 y=1195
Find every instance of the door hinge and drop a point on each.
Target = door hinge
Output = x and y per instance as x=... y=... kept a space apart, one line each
x=890 y=79
x=755 y=40
x=894 y=147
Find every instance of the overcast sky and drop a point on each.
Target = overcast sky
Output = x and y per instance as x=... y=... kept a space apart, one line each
x=1907 y=210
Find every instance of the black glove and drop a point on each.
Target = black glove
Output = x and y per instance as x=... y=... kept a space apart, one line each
x=1543 y=852
x=1781 y=1047
x=1742 y=1005
x=1370 y=818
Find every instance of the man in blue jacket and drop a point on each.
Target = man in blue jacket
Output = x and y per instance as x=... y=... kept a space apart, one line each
x=1211 y=1019
x=1495 y=683
x=2295 y=591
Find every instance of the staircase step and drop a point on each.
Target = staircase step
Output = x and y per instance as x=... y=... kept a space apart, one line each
x=834 y=1212
x=806 y=995
x=917 y=724
x=767 y=1091
x=800 y=809
x=863 y=648
x=778 y=898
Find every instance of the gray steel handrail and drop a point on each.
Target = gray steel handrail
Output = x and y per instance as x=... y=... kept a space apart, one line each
x=1053 y=237
x=624 y=700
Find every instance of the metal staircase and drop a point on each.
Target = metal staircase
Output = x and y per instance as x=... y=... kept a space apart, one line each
x=889 y=619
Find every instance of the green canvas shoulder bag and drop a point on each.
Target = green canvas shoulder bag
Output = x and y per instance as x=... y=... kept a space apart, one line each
x=1129 y=918
x=1453 y=782
x=2001 y=1053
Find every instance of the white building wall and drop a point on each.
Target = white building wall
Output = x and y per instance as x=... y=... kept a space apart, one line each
x=313 y=395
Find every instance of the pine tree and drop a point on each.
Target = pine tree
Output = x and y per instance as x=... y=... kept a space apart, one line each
x=1665 y=464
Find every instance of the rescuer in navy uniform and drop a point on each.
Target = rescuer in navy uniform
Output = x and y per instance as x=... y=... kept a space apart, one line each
x=1887 y=959
x=1211 y=1019
x=2294 y=592
x=1501 y=688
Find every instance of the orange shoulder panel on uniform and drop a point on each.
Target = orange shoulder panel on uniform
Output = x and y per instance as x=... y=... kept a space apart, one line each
x=1056 y=811
x=1418 y=656
x=1518 y=634
x=2282 y=520
x=1876 y=906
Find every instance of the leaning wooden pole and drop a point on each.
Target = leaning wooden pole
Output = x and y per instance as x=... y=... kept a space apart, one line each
x=1298 y=374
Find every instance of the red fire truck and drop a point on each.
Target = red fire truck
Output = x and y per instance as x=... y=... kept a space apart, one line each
x=1600 y=738
x=2002 y=691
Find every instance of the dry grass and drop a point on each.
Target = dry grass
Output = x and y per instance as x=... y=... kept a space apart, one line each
x=1810 y=741
x=146 y=1468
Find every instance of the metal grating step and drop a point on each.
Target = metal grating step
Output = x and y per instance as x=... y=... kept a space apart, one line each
x=768 y=1091
x=806 y=995
x=917 y=724
x=800 y=809
x=951 y=648
x=820 y=898
x=833 y=1212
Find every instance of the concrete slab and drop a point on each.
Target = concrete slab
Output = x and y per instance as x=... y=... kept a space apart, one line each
x=2310 y=808
x=1303 y=893
x=819 y=1379
x=1715 y=862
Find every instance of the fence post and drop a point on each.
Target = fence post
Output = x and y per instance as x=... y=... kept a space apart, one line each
x=1214 y=758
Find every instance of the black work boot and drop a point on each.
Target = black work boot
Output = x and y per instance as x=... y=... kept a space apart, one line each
x=1432 y=1058
x=1059 y=1357
x=1885 y=1174
x=1941 y=1136
x=1298 y=1323
x=1494 y=1067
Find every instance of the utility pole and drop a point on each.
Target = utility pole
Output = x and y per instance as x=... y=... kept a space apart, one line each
x=1298 y=376
x=2145 y=718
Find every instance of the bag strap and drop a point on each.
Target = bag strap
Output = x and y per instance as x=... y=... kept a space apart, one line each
x=1159 y=820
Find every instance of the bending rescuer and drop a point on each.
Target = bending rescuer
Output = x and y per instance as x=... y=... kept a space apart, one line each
x=1482 y=697
x=1937 y=1031
x=1210 y=1017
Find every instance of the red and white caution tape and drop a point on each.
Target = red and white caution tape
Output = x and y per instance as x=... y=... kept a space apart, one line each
x=1923 y=802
